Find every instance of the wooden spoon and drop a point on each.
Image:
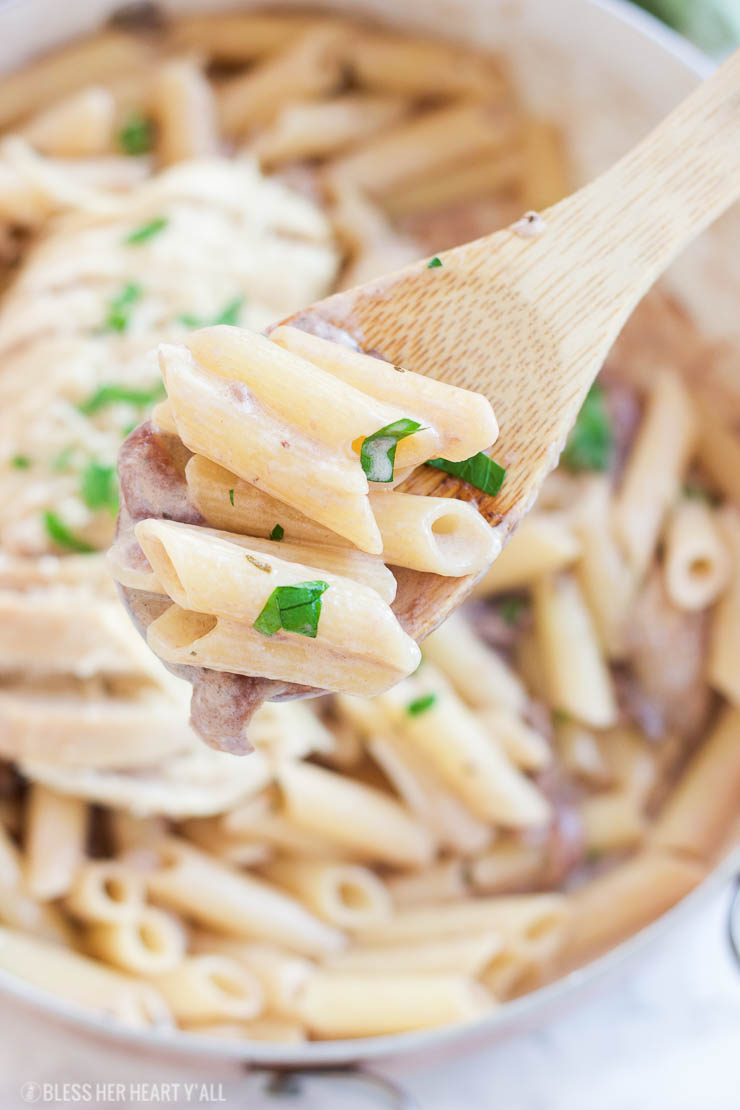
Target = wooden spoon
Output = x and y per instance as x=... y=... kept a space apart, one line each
x=529 y=321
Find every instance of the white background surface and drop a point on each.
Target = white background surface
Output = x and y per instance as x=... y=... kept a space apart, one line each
x=664 y=1037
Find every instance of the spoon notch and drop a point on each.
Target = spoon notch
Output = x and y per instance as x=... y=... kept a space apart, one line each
x=527 y=315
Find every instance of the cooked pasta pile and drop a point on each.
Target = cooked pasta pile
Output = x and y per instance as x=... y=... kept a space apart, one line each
x=565 y=763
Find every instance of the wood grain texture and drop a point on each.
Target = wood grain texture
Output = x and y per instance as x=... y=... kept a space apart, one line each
x=529 y=322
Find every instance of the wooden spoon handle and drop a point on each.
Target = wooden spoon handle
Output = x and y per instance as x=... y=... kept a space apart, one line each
x=609 y=242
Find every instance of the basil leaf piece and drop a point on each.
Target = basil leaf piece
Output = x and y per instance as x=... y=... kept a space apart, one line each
x=58 y=531
x=119 y=310
x=99 y=488
x=277 y=533
x=20 y=462
x=589 y=445
x=421 y=705
x=294 y=608
x=480 y=470
x=137 y=134
x=113 y=394
x=378 y=451
x=147 y=231
x=434 y=263
x=228 y=315
x=231 y=497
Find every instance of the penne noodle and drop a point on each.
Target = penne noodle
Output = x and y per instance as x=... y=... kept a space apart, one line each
x=650 y=484
x=361 y=820
x=432 y=143
x=446 y=881
x=192 y=883
x=463 y=419
x=624 y=900
x=308 y=68
x=696 y=562
x=612 y=822
x=483 y=178
x=359 y=646
x=152 y=943
x=606 y=582
x=79 y=126
x=344 y=894
x=472 y=765
x=105 y=891
x=208 y=835
x=319 y=129
x=480 y=676
x=281 y=974
x=35 y=919
x=723 y=671
x=54 y=842
x=95 y=59
x=525 y=747
x=464 y=955
x=578 y=679
x=184 y=108
x=239 y=36
x=260 y=819
x=81 y=981
x=543 y=543
x=695 y=819
x=436 y=534
x=211 y=988
x=446 y=817
x=352 y=1004
x=422 y=67
x=508 y=866
x=514 y=918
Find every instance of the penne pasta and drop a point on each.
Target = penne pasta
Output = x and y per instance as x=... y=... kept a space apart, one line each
x=612 y=822
x=79 y=126
x=696 y=817
x=464 y=955
x=445 y=881
x=184 y=108
x=422 y=67
x=211 y=988
x=281 y=974
x=352 y=1004
x=543 y=543
x=363 y=821
x=184 y=879
x=577 y=677
x=152 y=943
x=344 y=894
x=696 y=562
x=605 y=580
x=480 y=676
x=105 y=891
x=508 y=866
x=665 y=441
x=54 y=842
x=525 y=747
x=239 y=36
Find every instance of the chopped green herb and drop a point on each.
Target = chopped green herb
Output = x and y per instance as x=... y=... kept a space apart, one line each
x=560 y=716
x=277 y=533
x=113 y=394
x=480 y=470
x=58 y=531
x=378 y=451
x=228 y=315
x=694 y=491
x=231 y=496
x=294 y=608
x=511 y=609
x=147 y=231
x=420 y=705
x=20 y=462
x=99 y=488
x=119 y=309
x=589 y=445
x=137 y=134
x=63 y=459
x=433 y=263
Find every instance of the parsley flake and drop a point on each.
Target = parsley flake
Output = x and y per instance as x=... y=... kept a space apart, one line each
x=228 y=315
x=231 y=496
x=99 y=488
x=277 y=533
x=434 y=263
x=378 y=451
x=119 y=309
x=480 y=470
x=294 y=608
x=113 y=394
x=147 y=231
x=137 y=135
x=589 y=445
x=421 y=705
x=58 y=531
x=20 y=462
